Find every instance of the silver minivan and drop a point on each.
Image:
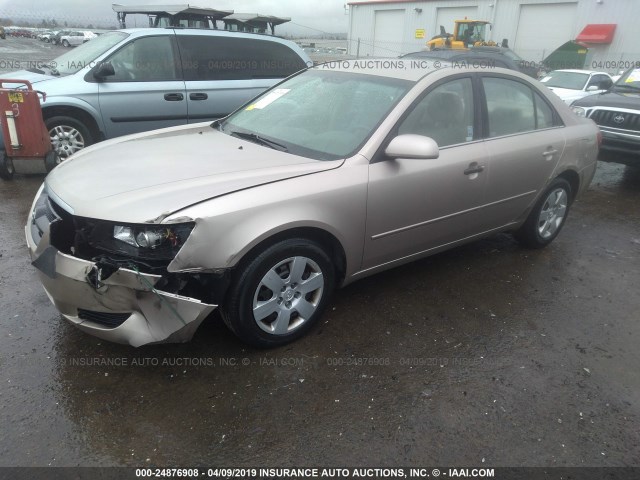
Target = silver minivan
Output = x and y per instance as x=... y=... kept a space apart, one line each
x=134 y=80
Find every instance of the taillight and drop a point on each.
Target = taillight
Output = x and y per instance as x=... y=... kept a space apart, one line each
x=599 y=138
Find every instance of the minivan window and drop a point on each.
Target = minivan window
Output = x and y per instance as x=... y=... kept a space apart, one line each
x=148 y=59
x=235 y=58
x=85 y=54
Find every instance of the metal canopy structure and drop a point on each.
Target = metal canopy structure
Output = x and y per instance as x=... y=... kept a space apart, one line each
x=248 y=22
x=174 y=14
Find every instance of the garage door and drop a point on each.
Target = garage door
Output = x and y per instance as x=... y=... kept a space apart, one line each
x=388 y=33
x=446 y=16
x=543 y=28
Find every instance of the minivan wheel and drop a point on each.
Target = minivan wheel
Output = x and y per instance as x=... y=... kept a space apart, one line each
x=65 y=43
x=6 y=167
x=280 y=293
x=68 y=135
x=547 y=217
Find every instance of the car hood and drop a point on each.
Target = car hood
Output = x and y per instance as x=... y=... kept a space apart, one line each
x=32 y=77
x=569 y=95
x=145 y=177
x=610 y=99
x=565 y=92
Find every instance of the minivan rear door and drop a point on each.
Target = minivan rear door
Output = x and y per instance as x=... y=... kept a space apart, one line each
x=223 y=70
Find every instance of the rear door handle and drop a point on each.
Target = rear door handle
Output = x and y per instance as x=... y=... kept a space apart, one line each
x=474 y=168
x=173 y=97
x=198 y=96
x=551 y=151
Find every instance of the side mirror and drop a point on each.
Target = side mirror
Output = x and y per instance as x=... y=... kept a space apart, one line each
x=412 y=146
x=593 y=88
x=103 y=70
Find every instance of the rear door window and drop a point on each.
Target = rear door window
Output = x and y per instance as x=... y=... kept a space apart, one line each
x=229 y=58
x=513 y=107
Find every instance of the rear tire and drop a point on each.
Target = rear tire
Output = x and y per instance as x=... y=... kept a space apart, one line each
x=547 y=217
x=279 y=294
x=6 y=167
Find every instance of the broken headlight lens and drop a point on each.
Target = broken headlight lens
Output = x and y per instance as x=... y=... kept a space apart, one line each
x=152 y=237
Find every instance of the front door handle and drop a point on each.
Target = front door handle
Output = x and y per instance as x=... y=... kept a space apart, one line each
x=173 y=97
x=198 y=96
x=474 y=168
x=548 y=153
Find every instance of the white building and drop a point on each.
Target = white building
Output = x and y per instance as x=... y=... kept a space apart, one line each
x=533 y=28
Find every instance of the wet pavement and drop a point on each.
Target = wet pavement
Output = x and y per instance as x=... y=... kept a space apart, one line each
x=488 y=355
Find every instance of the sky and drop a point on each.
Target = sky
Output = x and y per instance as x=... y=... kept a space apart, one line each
x=324 y=15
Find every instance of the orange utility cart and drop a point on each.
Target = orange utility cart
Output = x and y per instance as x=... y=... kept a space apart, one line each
x=26 y=139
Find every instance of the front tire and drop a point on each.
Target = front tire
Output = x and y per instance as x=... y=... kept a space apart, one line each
x=6 y=167
x=65 y=43
x=280 y=293
x=51 y=160
x=68 y=135
x=547 y=217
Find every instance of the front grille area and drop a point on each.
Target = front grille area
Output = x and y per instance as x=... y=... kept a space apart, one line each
x=92 y=240
x=614 y=119
x=110 y=320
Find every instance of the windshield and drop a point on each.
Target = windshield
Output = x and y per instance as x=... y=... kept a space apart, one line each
x=630 y=79
x=323 y=115
x=570 y=80
x=83 y=55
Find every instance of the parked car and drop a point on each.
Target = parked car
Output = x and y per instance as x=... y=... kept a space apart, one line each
x=484 y=56
x=73 y=39
x=46 y=36
x=130 y=81
x=57 y=38
x=3 y=34
x=617 y=113
x=337 y=173
x=571 y=85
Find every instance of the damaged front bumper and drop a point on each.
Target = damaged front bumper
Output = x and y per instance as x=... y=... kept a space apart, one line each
x=121 y=306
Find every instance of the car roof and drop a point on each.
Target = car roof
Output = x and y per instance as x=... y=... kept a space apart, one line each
x=401 y=69
x=450 y=53
x=380 y=67
x=573 y=70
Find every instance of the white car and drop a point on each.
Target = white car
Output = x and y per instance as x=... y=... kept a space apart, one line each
x=76 y=38
x=571 y=85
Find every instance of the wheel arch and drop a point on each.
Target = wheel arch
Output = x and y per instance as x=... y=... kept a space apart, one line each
x=325 y=239
x=89 y=119
x=573 y=178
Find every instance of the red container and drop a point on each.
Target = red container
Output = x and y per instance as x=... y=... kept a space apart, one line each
x=23 y=129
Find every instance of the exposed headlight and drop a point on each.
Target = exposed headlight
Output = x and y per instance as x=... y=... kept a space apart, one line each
x=579 y=111
x=152 y=237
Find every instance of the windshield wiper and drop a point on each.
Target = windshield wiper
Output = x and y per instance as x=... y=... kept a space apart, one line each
x=53 y=70
x=252 y=137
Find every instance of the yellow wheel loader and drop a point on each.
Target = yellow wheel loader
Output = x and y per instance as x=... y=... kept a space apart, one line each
x=466 y=34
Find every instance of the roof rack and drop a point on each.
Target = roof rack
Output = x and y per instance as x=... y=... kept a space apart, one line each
x=174 y=14
x=185 y=15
